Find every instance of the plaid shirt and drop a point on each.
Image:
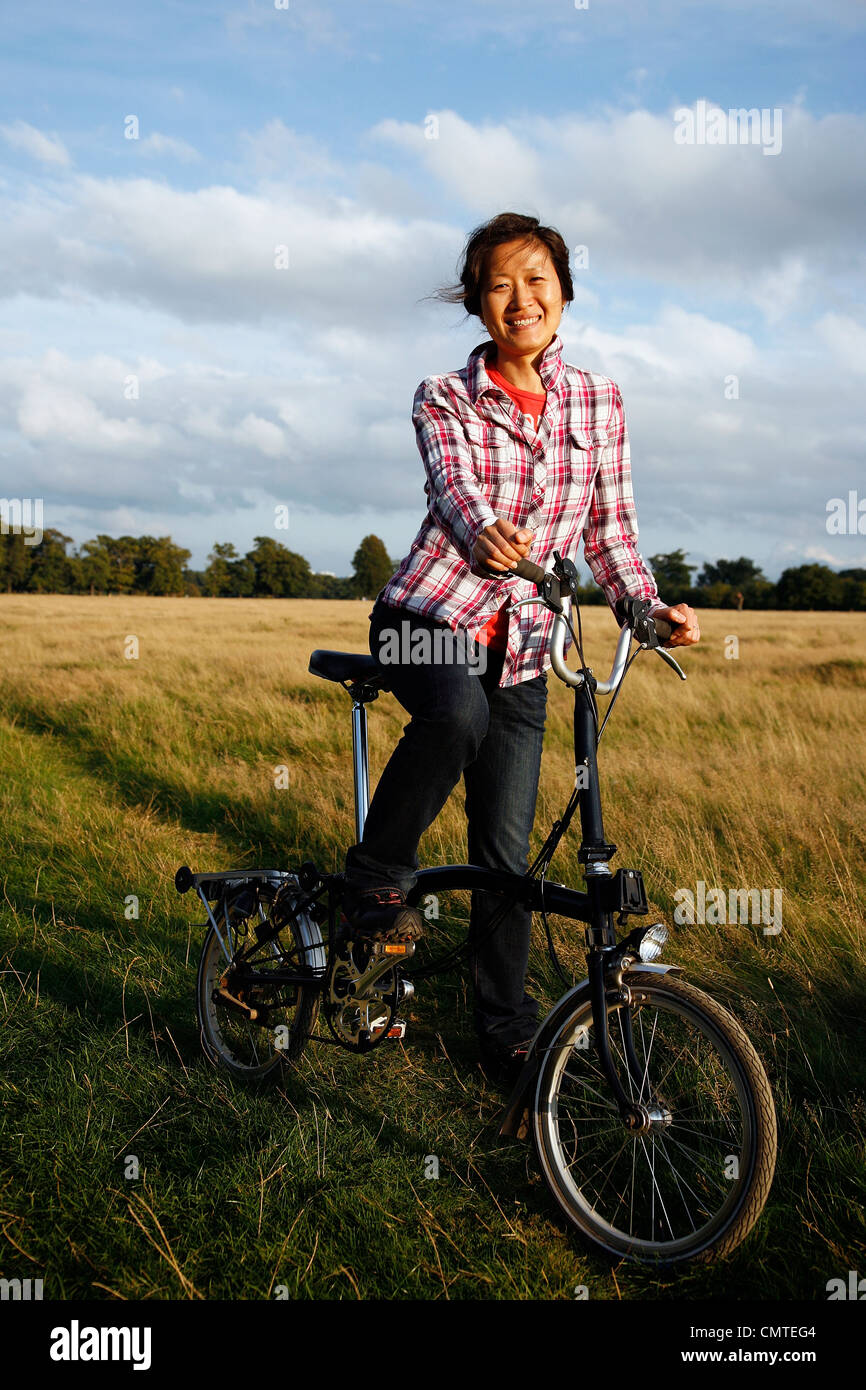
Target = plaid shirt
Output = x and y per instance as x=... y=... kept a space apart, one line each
x=484 y=459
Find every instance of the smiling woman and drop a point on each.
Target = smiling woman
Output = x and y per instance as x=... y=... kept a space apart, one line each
x=522 y=452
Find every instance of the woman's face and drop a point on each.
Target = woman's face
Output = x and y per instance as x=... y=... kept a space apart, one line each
x=521 y=298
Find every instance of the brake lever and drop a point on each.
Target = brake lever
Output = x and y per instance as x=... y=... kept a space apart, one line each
x=637 y=617
x=666 y=656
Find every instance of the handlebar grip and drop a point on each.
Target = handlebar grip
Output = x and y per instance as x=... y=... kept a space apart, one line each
x=632 y=611
x=527 y=569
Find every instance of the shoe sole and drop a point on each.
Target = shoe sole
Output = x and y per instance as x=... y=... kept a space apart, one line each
x=399 y=938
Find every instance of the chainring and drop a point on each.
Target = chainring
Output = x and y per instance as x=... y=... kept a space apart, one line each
x=359 y=1017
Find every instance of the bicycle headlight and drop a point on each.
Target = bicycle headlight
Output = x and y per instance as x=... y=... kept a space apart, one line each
x=652 y=941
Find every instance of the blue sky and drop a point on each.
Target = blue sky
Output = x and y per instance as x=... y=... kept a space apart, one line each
x=152 y=259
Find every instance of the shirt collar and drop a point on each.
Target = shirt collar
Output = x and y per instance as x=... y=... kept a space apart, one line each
x=550 y=368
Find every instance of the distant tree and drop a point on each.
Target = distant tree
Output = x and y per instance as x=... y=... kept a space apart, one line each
x=372 y=565
x=16 y=560
x=51 y=569
x=109 y=563
x=228 y=574
x=672 y=575
x=95 y=567
x=810 y=586
x=279 y=572
x=740 y=574
x=853 y=589
x=159 y=566
x=332 y=586
x=717 y=596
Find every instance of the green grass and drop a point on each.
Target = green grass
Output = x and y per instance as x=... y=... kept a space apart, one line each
x=116 y=772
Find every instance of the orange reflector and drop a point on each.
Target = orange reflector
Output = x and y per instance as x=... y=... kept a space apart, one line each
x=394 y=949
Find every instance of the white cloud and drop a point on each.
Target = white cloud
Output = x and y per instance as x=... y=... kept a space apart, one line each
x=50 y=411
x=846 y=340
x=158 y=144
x=720 y=218
x=48 y=149
x=282 y=153
x=261 y=386
x=263 y=435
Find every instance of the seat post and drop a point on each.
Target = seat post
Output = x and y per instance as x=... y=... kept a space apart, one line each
x=360 y=766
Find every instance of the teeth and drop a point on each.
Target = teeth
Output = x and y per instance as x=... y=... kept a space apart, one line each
x=521 y=323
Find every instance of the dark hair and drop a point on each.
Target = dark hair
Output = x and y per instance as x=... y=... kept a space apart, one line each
x=506 y=226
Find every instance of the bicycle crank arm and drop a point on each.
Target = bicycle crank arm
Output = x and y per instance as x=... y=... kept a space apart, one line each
x=384 y=956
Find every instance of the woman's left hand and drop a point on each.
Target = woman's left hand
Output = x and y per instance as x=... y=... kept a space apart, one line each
x=684 y=621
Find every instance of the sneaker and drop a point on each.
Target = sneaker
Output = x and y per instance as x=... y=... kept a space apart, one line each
x=504 y=1061
x=382 y=914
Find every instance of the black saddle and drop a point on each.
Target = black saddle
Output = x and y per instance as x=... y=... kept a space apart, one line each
x=353 y=667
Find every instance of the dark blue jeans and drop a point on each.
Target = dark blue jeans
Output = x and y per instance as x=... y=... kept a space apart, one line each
x=461 y=723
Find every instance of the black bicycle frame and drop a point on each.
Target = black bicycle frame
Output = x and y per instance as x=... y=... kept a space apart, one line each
x=595 y=907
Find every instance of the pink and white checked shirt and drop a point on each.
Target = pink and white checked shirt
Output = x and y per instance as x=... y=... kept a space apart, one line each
x=483 y=460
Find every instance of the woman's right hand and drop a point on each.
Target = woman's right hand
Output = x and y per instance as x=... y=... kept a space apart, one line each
x=499 y=547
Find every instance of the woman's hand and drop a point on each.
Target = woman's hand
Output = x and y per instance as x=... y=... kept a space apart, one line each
x=684 y=621
x=499 y=547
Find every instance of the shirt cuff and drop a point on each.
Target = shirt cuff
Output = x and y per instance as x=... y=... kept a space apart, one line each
x=484 y=517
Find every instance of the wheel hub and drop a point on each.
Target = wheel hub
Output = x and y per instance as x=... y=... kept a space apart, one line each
x=644 y=1118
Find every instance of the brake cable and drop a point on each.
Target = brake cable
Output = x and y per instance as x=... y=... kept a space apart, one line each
x=542 y=861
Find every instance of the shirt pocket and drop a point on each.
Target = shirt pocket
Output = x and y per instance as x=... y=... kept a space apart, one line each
x=584 y=456
x=585 y=446
x=491 y=450
x=587 y=441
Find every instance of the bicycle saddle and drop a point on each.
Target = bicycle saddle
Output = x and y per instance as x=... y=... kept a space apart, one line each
x=346 y=666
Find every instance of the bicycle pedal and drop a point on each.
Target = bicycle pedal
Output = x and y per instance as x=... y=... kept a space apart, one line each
x=394 y=948
x=397 y=1029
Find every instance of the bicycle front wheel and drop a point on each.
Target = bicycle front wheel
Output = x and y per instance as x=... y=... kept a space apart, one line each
x=692 y=1181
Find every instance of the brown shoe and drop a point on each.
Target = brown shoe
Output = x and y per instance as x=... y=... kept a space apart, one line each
x=382 y=914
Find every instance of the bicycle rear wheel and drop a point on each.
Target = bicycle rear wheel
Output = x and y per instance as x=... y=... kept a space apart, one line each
x=256 y=1049
x=693 y=1181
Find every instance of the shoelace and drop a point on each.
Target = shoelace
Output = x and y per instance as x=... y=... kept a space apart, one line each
x=382 y=897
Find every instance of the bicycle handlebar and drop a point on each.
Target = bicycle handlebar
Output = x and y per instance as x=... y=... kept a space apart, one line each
x=636 y=624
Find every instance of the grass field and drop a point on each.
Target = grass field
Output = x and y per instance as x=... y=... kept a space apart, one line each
x=117 y=770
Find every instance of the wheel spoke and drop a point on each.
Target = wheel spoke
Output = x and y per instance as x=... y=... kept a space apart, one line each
x=641 y=1192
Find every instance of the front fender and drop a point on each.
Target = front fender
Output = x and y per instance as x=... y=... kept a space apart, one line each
x=515 y=1123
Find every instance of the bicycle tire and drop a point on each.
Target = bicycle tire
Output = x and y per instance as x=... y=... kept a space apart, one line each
x=724 y=1230
x=214 y=1037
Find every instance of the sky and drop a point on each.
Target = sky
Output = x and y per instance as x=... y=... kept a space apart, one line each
x=165 y=370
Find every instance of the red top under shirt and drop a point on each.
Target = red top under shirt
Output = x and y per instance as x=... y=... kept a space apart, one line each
x=495 y=633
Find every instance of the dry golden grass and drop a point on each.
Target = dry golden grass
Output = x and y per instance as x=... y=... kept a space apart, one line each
x=749 y=775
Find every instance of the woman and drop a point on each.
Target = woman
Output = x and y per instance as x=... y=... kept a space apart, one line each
x=523 y=453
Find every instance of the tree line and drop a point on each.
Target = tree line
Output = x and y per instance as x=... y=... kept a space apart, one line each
x=155 y=565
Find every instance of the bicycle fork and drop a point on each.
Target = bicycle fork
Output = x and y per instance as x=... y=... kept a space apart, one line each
x=595 y=853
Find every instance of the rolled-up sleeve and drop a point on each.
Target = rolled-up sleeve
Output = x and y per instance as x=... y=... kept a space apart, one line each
x=610 y=533
x=454 y=496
